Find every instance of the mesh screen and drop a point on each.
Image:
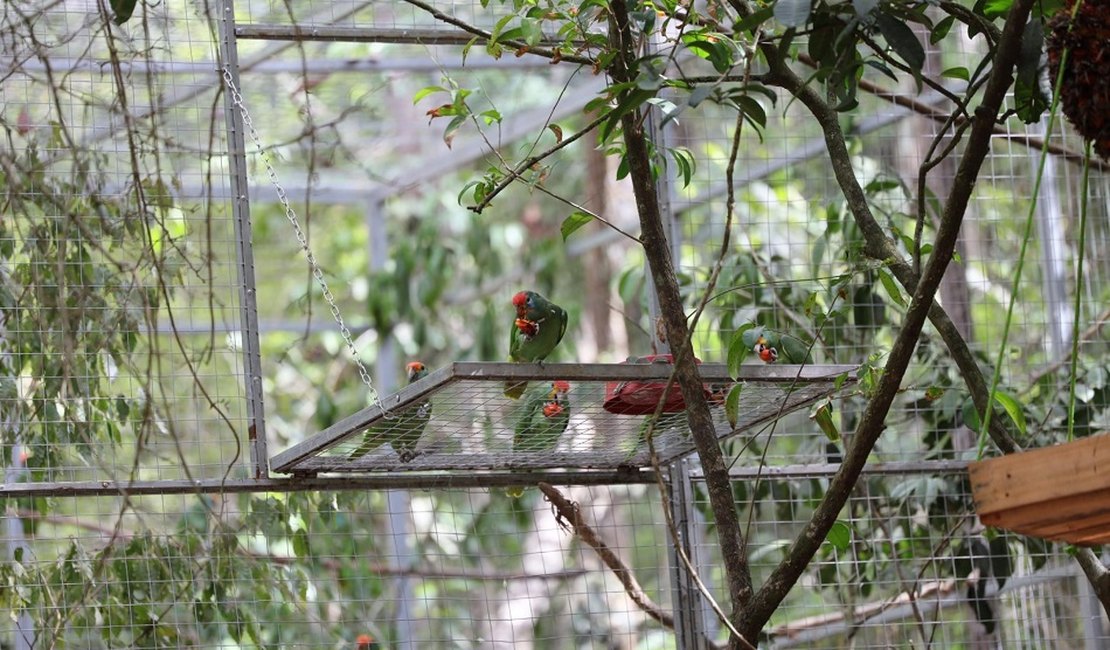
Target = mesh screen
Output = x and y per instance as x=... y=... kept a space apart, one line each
x=125 y=354
x=122 y=349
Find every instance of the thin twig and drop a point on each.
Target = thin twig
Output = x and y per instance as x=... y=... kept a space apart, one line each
x=519 y=46
x=526 y=164
x=569 y=516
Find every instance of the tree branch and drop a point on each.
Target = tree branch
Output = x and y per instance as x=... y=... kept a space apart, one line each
x=871 y=424
x=656 y=249
x=569 y=517
x=878 y=246
x=527 y=163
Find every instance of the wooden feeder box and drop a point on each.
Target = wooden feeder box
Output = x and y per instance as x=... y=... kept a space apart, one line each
x=1060 y=493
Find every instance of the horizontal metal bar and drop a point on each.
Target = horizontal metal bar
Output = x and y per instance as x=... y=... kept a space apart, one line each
x=407 y=481
x=822 y=470
x=710 y=372
x=474 y=61
x=350 y=34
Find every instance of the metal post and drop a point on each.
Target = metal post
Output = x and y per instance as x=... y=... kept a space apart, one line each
x=1054 y=255
x=664 y=189
x=401 y=546
x=1094 y=636
x=240 y=208
x=18 y=548
x=690 y=623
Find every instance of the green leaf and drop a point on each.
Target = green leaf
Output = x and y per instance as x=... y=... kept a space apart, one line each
x=902 y=40
x=1013 y=408
x=892 y=288
x=631 y=102
x=575 y=221
x=970 y=415
x=941 y=29
x=822 y=414
x=738 y=349
x=425 y=91
x=732 y=405
x=492 y=116
x=709 y=47
x=684 y=160
x=1030 y=102
x=792 y=13
x=868 y=309
x=840 y=535
x=123 y=10
x=300 y=544
x=495 y=34
x=754 y=21
x=958 y=72
x=700 y=94
x=997 y=8
x=753 y=110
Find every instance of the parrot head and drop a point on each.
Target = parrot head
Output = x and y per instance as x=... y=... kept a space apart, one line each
x=416 y=371
x=523 y=301
x=766 y=353
x=553 y=406
x=365 y=642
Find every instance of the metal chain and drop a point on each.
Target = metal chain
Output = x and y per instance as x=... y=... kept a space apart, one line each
x=291 y=215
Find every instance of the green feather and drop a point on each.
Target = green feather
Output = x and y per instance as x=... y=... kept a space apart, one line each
x=402 y=430
x=790 y=349
x=539 y=431
x=550 y=321
x=541 y=422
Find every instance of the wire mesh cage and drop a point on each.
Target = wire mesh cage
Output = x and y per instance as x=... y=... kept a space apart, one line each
x=121 y=291
x=159 y=345
x=459 y=418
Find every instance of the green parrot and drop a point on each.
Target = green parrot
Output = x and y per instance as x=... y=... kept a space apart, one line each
x=543 y=419
x=770 y=346
x=538 y=327
x=403 y=429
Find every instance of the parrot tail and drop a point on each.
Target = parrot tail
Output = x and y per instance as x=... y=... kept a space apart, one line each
x=514 y=389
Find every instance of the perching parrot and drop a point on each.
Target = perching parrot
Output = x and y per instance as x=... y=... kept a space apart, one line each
x=543 y=419
x=366 y=642
x=770 y=346
x=403 y=429
x=538 y=327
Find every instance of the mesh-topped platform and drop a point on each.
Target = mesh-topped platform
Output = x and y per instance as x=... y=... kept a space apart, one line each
x=458 y=418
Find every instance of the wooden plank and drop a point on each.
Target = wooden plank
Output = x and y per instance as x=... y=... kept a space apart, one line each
x=1041 y=475
x=1054 y=512
x=1097 y=516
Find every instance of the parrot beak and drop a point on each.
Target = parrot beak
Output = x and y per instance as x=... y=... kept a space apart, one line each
x=551 y=409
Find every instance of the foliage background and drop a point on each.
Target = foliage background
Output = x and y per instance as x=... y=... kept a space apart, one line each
x=122 y=341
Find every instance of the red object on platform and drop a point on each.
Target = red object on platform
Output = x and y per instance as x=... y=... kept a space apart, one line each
x=642 y=397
